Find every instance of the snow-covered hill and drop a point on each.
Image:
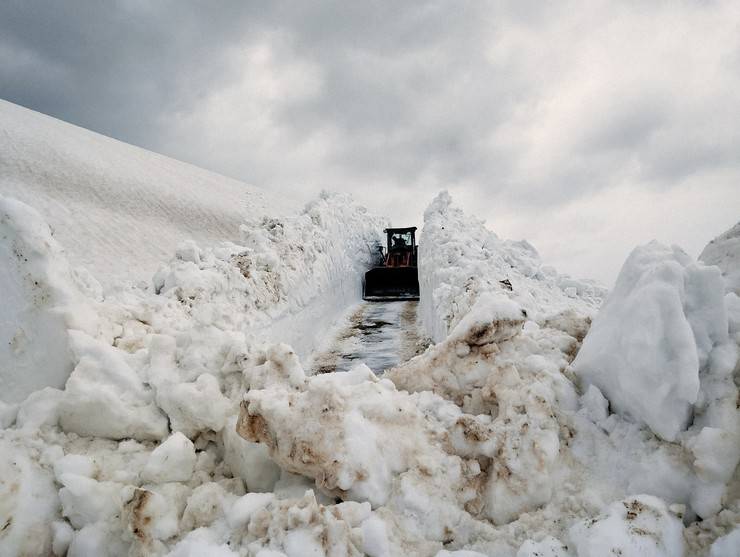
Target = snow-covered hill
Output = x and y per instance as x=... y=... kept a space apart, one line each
x=118 y=210
x=724 y=252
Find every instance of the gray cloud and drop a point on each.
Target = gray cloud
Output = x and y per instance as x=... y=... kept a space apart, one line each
x=519 y=108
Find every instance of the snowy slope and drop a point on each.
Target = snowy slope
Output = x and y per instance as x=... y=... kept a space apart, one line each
x=724 y=251
x=118 y=210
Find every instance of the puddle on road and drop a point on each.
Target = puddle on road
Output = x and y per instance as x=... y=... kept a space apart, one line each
x=380 y=334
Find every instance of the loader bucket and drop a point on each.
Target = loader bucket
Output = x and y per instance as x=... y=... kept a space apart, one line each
x=391 y=283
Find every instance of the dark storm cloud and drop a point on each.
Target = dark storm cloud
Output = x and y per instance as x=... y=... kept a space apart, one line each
x=518 y=107
x=115 y=67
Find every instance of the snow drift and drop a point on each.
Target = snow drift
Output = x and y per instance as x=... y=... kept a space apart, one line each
x=655 y=336
x=118 y=210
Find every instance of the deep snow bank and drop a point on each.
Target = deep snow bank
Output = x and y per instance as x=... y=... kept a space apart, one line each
x=154 y=362
x=486 y=442
x=459 y=258
x=118 y=210
x=670 y=306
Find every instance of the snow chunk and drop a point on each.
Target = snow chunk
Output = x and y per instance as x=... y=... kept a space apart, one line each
x=281 y=365
x=243 y=508
x=172 y=461
x=359 y=434
x=206 y=504
x=194 y=547
x=491 y=319
x=28 y=503
x=639 y=526
x=595 y=406
x=41 y=408
x=85 y=501
x=726 y=546
x=40 y=302
x=104 y=397
x=101 y=539
x=63 y=534
x=81 y=465
x=375 y=538
x=194 y=407
x=153 y=516
x=249 y=461
x=188 y=251
x=646 y=346
x=547 y=547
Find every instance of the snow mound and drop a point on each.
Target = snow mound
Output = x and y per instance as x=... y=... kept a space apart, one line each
x=41 y=302
x=654 y=336
x=724 y=252
x=137 y=439
x=459 y=258
x=508 y=387
x=483 y=447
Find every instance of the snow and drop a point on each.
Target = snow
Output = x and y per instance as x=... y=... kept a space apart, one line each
x=653 y=337
x=185 y=416
x=172 y=461
x=28 y=502
x=724 y=252
x=85 y=500
x=118 y=210
x=41 y=302
x=547 y=547
x=246 y=506
x=640 y=526
x=726 y=546
x=459 y=258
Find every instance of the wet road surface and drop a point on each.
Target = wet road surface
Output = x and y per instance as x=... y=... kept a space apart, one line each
x=379 y=334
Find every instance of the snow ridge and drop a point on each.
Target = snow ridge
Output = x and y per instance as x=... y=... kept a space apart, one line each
x=459 y=258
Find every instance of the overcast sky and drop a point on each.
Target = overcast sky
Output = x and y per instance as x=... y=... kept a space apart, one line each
x=585 y=127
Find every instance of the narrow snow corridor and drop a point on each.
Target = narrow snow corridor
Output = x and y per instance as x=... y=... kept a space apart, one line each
x=379 y=334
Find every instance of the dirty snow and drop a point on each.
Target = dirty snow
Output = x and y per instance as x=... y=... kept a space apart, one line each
x=183 y=415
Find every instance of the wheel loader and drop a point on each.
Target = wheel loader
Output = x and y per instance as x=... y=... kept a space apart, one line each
x=396 y=277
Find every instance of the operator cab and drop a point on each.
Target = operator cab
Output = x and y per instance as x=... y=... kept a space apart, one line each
x=396 y=278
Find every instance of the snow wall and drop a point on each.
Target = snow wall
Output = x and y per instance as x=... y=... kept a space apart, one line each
x=287 y=281
x=459 y=259
x=142 y=362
